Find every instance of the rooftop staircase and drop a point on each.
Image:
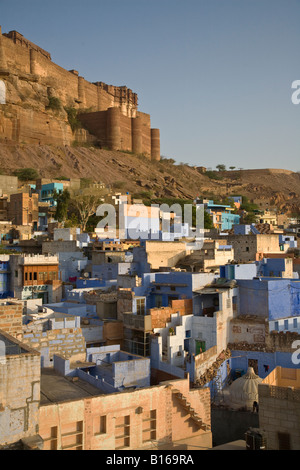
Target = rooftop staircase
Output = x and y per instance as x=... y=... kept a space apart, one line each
x=189 y=410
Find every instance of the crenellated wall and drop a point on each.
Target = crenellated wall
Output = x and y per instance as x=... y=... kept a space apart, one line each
x=29 y=79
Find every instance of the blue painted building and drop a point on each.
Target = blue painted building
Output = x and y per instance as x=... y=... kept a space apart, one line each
x=268 y=267
x=175 y=286
x=5 y=280
x=269 y=298
x=287 y=240
x=221 y=214
x=47 y=192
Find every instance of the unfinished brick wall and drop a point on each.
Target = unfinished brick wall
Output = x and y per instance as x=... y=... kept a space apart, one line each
x=11 y=317
x=161 y=316
x=68 y=342
x=19 y=392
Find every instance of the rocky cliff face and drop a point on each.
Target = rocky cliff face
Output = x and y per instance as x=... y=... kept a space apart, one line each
x=128 y=172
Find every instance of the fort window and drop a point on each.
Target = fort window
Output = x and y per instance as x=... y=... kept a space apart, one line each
x=2 y=92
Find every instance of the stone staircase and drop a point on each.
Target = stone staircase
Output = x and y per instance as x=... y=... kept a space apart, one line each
x=188 y=408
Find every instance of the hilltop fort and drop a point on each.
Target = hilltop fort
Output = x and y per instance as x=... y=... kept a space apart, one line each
x=38 y=97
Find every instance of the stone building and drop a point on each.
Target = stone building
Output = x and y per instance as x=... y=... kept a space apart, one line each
x=19 y=391
x=35 y=276
x=279 y=409
x=155 y=417
x=23 y=209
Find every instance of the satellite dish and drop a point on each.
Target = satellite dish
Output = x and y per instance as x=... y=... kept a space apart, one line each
x=86 y=275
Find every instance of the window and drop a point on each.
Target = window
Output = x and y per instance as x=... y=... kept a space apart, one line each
x=286 y=324
x=35 y=276
x=122 y=432
x=30 y=276
x=16 y=273
x=140 y=306
x=284 y=441
x=26 y=276
x=295 y=323
x=149 y=426
x=99 y=425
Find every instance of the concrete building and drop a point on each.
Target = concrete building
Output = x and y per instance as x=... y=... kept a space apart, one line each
x=222 y=215
x=271 y=299
x=47 y=191
x=209 y=258
x=109 y=369
x=35 y=276
x=267 y=267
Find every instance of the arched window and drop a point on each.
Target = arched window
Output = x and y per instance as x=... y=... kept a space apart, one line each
x=2 y=92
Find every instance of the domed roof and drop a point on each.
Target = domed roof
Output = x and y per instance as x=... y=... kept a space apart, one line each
x=244 y=391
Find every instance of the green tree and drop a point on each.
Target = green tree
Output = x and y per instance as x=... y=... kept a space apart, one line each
x=26 y=174
x=208 y=223
x=62 y=204
x=221 y=167
x=54 y=103
x=86 y=202
x=249 y=218
x=72 y=118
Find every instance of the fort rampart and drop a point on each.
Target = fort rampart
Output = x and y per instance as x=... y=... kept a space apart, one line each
x=36 y=94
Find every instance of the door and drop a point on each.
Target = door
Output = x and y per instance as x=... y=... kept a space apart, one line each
x=200 y=347
x=253 y=363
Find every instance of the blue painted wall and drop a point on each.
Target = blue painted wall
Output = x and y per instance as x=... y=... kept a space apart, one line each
x=269 y=298
x=5 y=280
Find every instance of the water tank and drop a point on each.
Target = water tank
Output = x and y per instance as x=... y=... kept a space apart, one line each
x=255 y=439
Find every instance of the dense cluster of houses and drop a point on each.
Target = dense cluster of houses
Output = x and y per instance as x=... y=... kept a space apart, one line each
x=135 y=343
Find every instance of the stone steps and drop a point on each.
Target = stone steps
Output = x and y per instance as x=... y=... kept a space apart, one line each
x=190 y=410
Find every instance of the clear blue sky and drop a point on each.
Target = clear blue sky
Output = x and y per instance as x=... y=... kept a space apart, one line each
x=215 y=75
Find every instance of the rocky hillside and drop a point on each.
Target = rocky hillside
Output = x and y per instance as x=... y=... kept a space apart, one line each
x=128 y=172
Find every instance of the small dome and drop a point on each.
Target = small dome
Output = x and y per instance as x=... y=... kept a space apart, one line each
x=244 y=391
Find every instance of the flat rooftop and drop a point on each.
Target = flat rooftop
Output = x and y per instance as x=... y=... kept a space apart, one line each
x=56 y=388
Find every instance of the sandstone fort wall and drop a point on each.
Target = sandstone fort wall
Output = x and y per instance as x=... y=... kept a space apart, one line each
x=29 y=80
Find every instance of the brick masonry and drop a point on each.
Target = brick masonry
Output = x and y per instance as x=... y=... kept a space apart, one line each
x=11 y=318
x=68 y=342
